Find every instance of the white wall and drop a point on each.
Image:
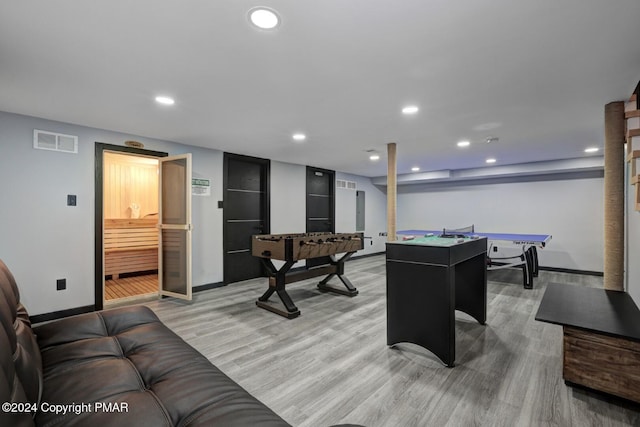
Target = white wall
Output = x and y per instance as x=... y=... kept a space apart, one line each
x=288 y=209
x=42 y=239
x=571 y=210
x=206 y=245
x=288 y=198
x=375 y=220
x=346 y=210
x=288 y=201
x=632 y=228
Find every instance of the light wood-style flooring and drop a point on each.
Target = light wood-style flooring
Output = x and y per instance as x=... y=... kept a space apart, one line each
x=130 y=286
x=331 y=365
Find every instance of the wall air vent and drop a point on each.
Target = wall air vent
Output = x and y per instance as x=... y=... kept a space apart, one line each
x=44 y=140
x=347 y=185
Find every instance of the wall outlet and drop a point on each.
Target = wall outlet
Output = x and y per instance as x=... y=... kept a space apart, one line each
x=71 y=199
x=61 y=284
x=495 y=249
x=382 y=233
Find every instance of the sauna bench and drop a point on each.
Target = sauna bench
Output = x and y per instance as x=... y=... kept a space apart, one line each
x=130 y=246
x=601 y=337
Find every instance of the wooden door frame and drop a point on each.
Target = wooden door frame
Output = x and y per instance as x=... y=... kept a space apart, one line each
x=99 y=210
x=266 y=204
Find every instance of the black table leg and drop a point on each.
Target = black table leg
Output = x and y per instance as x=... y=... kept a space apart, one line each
x=351 y=291
x=267 y=294
x=277 y=280
x=471 y=288
x=534 y=257
x=422 y=311
x=528 y=260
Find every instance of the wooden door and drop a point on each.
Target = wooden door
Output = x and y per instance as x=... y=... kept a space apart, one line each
x=246 y=212
x=320 y=205
x=174 y=248
x=100 y=150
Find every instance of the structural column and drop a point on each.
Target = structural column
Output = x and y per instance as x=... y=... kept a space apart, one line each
x=391 y=191
x=614 y=207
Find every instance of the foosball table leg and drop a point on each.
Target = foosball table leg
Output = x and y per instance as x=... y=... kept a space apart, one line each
x=291 y=311
x=347 y=284
x=267 y=294
x=351 y=291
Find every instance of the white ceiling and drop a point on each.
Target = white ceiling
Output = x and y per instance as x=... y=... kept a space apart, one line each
x=337 y=70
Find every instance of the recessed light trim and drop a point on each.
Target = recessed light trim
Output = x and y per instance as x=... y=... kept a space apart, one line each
x=410 y=109
x=591 y=150
x=464 y=143
x=415 y=169
x=264 y=18
x=299 y=137
x=165 y=100
x=490 y=160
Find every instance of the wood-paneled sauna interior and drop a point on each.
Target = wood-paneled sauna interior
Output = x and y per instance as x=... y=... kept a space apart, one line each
x=130 y=225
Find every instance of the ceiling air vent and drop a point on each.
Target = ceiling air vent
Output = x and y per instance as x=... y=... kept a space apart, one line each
x=44 y=140
x=347 y=185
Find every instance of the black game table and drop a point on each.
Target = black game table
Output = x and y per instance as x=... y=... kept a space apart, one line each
x=428 y=278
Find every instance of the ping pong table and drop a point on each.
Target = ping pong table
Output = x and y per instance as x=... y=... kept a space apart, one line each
x=528 y=244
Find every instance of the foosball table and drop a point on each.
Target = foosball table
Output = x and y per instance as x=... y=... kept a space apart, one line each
x=291 y=248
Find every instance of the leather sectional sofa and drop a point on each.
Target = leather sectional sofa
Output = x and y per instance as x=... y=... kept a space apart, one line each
x=117 y=367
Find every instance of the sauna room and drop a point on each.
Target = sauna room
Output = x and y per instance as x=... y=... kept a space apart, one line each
x=130 y=191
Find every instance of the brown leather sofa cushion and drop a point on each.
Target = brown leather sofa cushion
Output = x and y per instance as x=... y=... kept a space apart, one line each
x=21 y=375
x=126 y=358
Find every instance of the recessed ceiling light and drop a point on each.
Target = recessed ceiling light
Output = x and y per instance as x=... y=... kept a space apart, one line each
x=491 y=160
x=263 y=18
x=411 y=109
x=415 y=169
x=464 y=143
x=591 y=150
x=374 y=157
x=165 y=100
x=299 y=136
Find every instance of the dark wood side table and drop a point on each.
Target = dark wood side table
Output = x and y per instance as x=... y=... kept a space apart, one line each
x=601 y=344
x=427 y=280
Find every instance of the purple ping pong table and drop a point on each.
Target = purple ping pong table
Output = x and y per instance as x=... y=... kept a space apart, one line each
x=527 y=260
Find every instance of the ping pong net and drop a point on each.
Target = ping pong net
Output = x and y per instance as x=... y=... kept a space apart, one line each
x=457 y=232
